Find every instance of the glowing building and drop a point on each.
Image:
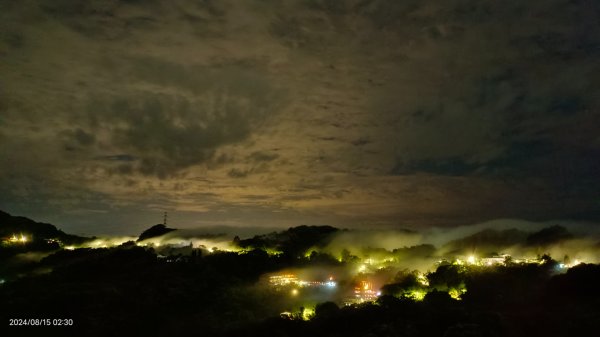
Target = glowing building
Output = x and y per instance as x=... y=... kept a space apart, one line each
x=363 y=292
x=292 y=280
x=493 y=261
x=14 y=239
x=283 y=280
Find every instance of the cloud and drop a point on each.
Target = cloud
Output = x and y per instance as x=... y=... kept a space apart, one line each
x=169 y=131
x=118 y=157
x=261 y=156
x=366 y=113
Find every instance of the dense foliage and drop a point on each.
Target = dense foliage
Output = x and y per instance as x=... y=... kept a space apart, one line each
x=127 y=290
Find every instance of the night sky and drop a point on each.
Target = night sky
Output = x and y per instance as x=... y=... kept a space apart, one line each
x=352 y=113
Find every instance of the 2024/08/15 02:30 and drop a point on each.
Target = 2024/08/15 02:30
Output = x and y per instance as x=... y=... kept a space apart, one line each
x=40 y=322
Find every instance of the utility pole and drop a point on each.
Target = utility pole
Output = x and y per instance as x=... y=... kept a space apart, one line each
x=165 y=220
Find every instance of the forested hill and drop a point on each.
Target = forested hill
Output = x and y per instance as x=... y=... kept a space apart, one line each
x=34 y=234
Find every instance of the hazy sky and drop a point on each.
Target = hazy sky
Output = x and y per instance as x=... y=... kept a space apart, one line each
x=278 y=113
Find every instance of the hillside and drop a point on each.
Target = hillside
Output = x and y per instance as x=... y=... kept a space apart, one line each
x=18 y=234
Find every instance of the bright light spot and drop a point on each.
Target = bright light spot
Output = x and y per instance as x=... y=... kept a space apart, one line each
x=18 y=239
x=417 y=295
x=471 y=259
x=457 y=293
x=309 y=252
x=308 y=313
x=69 y=247
x=422 y=279
x=362 y=268
x=294 y=292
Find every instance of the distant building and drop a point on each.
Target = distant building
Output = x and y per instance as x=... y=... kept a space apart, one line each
x=363 y=292
x=292 y=280
x=283 y=280
x=494 y=260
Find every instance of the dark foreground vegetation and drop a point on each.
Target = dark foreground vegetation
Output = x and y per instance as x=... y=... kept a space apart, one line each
x=131 y=290
x=127 y=291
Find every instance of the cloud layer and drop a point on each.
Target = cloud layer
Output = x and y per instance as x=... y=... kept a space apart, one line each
x=351 y=113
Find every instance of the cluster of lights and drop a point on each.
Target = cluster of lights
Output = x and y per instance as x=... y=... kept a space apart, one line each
x=306 y=313
x=18 y=239
x=363 y=292
x=500 y=260
x=283 y=280
x=292 y=280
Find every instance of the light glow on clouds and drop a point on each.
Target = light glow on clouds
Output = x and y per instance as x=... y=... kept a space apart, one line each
x=270 y=113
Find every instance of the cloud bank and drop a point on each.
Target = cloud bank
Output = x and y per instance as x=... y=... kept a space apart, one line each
x=352 y=113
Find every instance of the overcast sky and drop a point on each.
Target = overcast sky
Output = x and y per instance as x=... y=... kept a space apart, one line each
x=371 y=113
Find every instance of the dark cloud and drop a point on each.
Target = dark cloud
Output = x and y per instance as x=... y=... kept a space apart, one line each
x=103 y=19
x=78 y=138
x=169 y=132
x=263 y=156
x=118 y=157
x=237 y=173
x=450 y=166
x=356 y=111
